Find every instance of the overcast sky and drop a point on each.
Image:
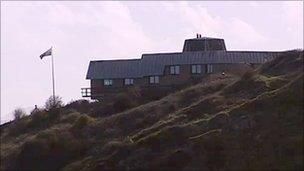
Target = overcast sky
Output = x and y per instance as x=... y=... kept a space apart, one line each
x=84 y=31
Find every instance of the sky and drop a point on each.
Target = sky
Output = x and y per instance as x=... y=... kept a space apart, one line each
x=96 y=30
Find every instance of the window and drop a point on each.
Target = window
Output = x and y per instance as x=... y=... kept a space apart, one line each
x=174 y=69
x=209 y=68
x=129 y=81
x=196 y=69
x=107 y=82
x=154 y=79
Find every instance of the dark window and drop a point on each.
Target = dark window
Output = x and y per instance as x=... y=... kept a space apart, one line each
x=129 y=81
x=154 y=79
x=196 y=69
x=107 y=82
x=174 y=70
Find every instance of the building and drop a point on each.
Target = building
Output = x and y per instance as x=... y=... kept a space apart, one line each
x=200 y=56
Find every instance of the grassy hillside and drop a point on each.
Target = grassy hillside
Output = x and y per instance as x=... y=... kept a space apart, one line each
x=253 y=122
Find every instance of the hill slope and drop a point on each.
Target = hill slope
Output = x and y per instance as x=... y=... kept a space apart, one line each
x=227 y=123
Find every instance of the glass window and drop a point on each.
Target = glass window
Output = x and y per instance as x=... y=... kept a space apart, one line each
x=129 y=81
x=107 y=82
x=193 y=69
x=154 y=79
x=209 y=68
x=171 y=69
x=151 y=80
x=174 y=69
x=196 y=69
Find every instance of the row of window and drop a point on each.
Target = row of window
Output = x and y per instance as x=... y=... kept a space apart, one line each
x=130 y=81
x=109 y=82
x=195 y=69
x=174 y=70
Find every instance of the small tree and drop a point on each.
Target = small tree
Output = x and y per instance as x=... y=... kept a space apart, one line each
x=53 y=103
x=19 y=113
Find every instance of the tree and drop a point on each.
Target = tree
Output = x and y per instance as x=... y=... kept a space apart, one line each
x=53 y=103
x=19 y=113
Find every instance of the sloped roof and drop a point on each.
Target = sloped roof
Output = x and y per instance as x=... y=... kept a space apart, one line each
x=154 y=64
x=114 y=69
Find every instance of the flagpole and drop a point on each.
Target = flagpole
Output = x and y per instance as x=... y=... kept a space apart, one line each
x=53 y=79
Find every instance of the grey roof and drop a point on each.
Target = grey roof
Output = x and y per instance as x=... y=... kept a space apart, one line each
x=154 y=64
x=114 y=69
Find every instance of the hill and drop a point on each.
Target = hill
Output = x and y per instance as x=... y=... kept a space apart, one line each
x=253 y=122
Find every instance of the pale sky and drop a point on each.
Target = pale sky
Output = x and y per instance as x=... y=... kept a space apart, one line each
x=84 y=31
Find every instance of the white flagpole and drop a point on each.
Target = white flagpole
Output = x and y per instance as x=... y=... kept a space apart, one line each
x=53 y=78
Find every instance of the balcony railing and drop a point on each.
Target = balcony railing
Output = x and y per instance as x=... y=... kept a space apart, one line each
x=97 y=92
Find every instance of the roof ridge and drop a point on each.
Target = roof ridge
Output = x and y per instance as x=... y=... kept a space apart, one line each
x=162 y=53
x=116 y=60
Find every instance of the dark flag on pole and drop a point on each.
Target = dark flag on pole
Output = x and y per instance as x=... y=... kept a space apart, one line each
x=47 y=53
x=50 y=53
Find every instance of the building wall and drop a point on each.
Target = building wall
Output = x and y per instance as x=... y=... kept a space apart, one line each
x=98 y=87
x=167 y=80
x=184 y=77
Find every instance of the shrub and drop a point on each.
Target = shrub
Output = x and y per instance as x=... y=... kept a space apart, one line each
x=31 y=151
x=248 y=75
x=154 y=93
x=82 y=106
x=18 y=127
x=66 y=111
x=54 y=114
x=102 y=110
x=82 y=121
x=123 y=102
x=49 y=150
x=134 y=92
x=71 y=117
x=48 y=135
x=53 y=102
x=39 y=119
x=19 y=113
x=186 y=97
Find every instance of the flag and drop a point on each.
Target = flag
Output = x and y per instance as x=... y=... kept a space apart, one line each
x=47 y=53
